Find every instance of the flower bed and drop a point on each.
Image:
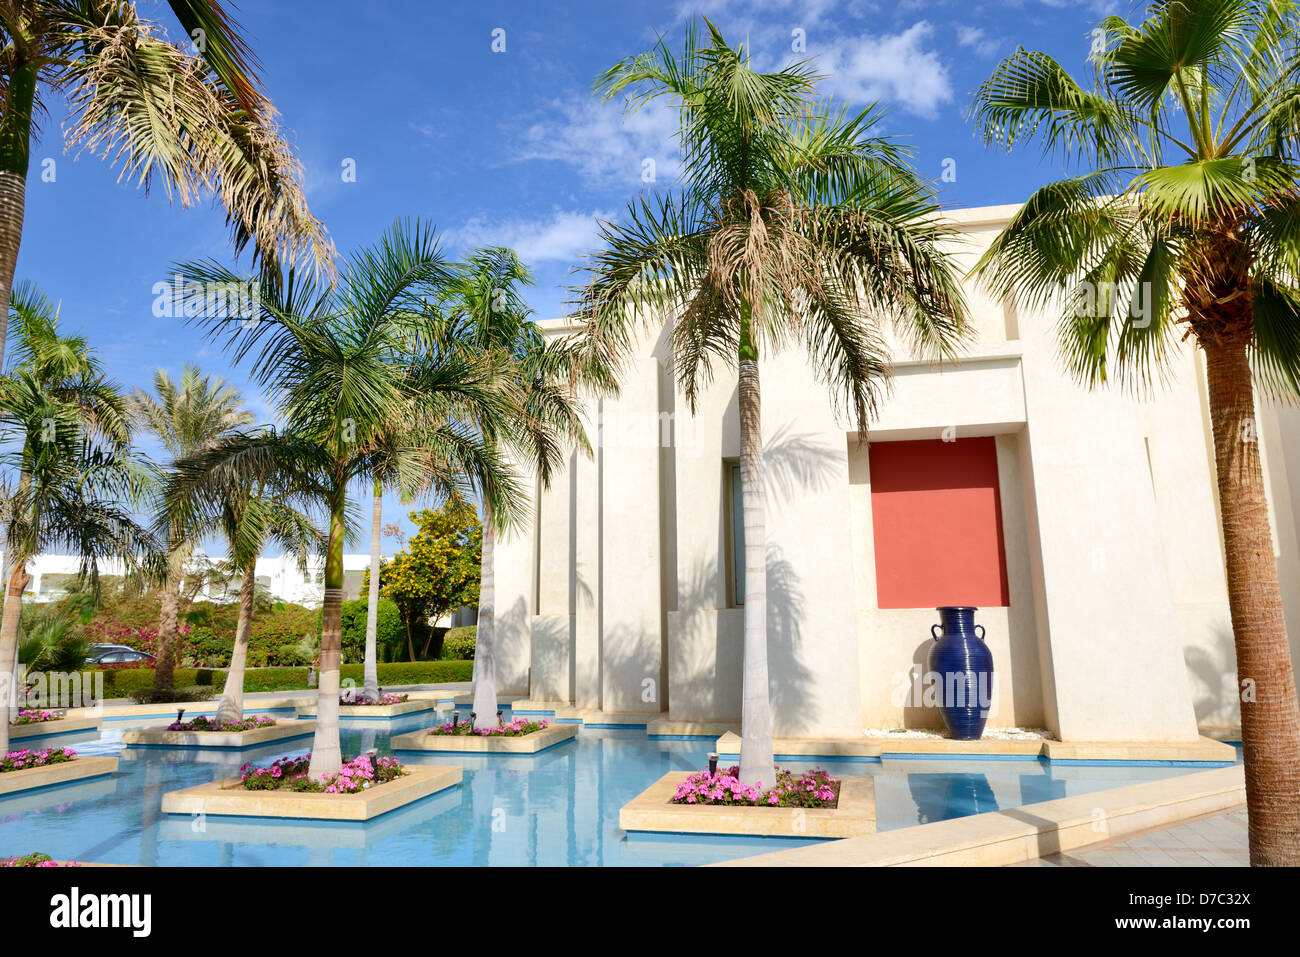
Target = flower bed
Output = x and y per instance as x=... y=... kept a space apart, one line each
x=290 y=774
x=204 y=723
x=364 y=700
x=514 y=729
x=27 y=758
x=809 y=789
x=36 y=859
x=35 y=716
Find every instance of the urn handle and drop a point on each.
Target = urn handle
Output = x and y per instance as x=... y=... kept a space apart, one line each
x=979 y=632
x=932 y=634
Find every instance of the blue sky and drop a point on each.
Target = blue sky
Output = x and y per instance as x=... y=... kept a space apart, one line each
x=507 y=147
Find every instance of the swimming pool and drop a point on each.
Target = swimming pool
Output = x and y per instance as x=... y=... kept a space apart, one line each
x=557 y=808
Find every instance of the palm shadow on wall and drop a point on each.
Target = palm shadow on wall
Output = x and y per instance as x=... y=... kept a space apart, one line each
x=1214 y=685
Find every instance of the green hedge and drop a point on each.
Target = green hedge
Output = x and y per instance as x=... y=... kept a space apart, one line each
x=121 y=682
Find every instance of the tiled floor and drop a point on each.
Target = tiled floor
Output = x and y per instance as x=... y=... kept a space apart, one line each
x=1216 y=840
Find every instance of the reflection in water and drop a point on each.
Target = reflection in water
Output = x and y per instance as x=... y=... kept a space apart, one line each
x=940 y=796
x=559 y=807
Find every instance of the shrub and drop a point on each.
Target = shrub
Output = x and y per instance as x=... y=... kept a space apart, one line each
x=458 y=643
x=291 y=654
x=389 y=631
x=26 y=758
x=123 y=682
x=290 y=774
x=363 y=700
x=516 y=728
x=204 y=723
x=207 y=634
x=809 y=789
x=35 y=859
x=172 y=695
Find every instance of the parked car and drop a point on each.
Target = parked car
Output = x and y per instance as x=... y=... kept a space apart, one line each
x=118 y=655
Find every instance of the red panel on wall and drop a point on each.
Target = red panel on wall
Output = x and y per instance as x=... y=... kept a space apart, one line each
x=937 y=522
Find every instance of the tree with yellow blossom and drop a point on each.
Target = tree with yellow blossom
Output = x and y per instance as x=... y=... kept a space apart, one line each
x=437 y=571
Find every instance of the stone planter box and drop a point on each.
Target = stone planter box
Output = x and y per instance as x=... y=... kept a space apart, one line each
x=61 y=726
x=422 y=740
x=162 y=738
x=77 y=769
x=652 y=810
x=227 y=797
x=413 y=706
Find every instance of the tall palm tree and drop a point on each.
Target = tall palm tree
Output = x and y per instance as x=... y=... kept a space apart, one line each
x=186 y=417
x=370 y=668
x=1184 y=222
x=348 y=367
x=65 y=435
x=248 y=519
x=484 y=310
x=792 y=225
x=189 y=113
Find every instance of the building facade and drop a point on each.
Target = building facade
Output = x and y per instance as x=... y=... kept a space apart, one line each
x=1082 y=523
x=280 y=576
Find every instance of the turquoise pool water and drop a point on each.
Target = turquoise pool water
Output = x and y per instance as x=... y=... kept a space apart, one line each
x=557 y=808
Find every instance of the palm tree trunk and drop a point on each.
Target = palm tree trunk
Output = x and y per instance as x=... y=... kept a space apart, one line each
x=232 y=698
x=371 y=680
x=9 y=625
x=1270 y=713
x=485 y=666
x=15 y=150
x=757 y=765
x=326 y=753
x=169 y=617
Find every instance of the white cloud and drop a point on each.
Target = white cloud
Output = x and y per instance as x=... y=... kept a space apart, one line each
x=974 y=38
x=603 y=143
x=897 y=68
x=561 y=237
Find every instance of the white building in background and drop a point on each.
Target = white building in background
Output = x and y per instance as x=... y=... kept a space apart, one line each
x=280 y=576
x=1083 y=523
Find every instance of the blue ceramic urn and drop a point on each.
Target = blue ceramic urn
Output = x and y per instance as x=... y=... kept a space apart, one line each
x=963 y=667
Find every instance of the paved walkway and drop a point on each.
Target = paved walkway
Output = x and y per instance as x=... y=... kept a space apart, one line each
x=1215 y=840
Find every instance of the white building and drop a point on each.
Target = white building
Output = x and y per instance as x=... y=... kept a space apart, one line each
x=1083 y=523
x=280 y=576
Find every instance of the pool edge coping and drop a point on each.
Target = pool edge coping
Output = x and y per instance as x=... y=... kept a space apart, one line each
x=1025 y=833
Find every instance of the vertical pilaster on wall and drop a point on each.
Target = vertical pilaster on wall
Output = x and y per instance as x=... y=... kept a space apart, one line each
x=631 y=606
x=587 y=520
x=551 y=674
x=1116 y=658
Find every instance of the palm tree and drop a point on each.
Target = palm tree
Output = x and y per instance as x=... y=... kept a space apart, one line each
x=484 y=311
x=186 y=417
x=792 y=225
x=348 y=367
x=1184 y=223
x=65 y=434
x=248 y=519
x=191 y=115
x=370 y=670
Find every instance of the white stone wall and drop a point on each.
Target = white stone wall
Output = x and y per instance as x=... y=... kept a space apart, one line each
x=1116 y=627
